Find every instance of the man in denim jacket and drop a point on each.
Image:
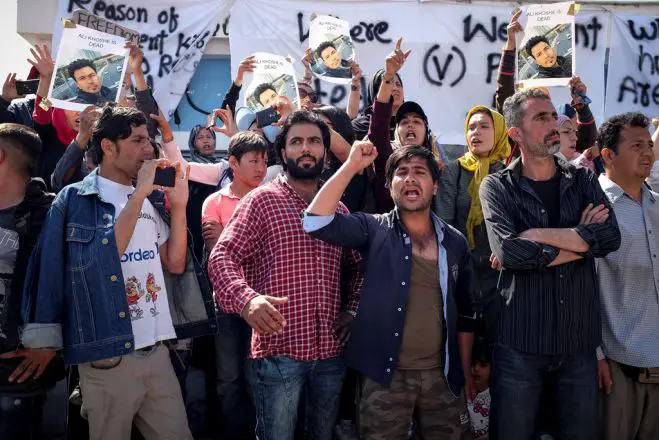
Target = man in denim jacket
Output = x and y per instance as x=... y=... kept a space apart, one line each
x=412 y=334
x=99 y=285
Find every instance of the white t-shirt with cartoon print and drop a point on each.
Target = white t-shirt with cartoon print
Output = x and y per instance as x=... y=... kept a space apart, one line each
x=141 y=268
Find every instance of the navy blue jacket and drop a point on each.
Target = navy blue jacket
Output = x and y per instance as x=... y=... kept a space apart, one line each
x=377 y=331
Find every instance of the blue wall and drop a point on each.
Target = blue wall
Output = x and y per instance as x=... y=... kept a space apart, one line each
x=206 y=90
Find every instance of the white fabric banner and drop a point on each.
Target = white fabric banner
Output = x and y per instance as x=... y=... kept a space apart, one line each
x=456 y=49
x=174 y=35
x=633 y=78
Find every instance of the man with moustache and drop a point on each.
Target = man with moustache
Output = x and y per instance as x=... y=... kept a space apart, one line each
x=287 y=287
x=413 y=335
x=90 y=86
x=629 y=354
x=547 y=222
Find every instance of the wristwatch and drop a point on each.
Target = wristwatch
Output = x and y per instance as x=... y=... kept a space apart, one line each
x=354 y=87
x=352 y=312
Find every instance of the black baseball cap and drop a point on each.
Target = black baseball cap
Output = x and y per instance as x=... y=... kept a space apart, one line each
x=410 y=107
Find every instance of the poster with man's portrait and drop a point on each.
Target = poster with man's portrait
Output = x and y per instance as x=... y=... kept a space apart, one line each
x=89 y=69
x=546 y=50
x=332 y=50
x=273 y=78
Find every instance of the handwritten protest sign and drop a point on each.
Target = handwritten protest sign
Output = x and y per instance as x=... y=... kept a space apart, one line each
x=89 y=69
x=173 y=36
x=332 y=50
x=86 y=19
x=273 y=77
x=448 y=72
x=633 y=79
x=546 y=55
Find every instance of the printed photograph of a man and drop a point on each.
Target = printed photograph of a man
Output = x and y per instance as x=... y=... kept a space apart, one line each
x=335 y=65
x=90 y=88
x=333 y=58
x=266 y=94
x=550 y=65
x=269 y=89
x=85 y=77
x=546 y=53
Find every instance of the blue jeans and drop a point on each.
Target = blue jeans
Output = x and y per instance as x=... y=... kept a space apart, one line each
x=231 y=351
x=21 y=417
x=277 y=384
x=516 y=387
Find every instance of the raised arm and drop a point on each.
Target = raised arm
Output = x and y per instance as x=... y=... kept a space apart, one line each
x=207 y=173
x=506 y=74
x=231 y=96
x=586 y=126
x=326 y=201
x=144 y=100
x=320 y=218
x=173 y=254
x=44 y=64
x=8 y=112
x=69 y=168
x=355 y=96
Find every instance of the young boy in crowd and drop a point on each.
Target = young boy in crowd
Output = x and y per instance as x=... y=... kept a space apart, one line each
x=248 y=161
x=248 y=156
x=479 y=408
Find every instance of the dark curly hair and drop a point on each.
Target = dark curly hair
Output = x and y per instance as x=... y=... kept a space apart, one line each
x=300 y=117
x=608 y=135
x=262 y=88
x=114 y=123
x=322 y=46
x=533 y=41
x=79 y=64
x=407 y=153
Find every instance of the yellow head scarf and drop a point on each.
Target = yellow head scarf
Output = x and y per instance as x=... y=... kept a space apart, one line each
x=480 y=166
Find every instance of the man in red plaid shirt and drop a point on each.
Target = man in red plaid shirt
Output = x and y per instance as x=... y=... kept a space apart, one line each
x=287 y=286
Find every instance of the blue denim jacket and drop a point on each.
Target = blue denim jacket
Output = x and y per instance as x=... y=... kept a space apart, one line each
x=377 y=331
x=74 y=294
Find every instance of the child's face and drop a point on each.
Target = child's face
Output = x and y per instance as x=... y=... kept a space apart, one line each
x=251 y=169
x=481 y=374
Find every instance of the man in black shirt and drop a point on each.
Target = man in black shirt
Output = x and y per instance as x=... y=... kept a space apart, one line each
x=547 y=221
x=24 y=203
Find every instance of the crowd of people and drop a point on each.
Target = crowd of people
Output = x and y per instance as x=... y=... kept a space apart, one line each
x=335 y=276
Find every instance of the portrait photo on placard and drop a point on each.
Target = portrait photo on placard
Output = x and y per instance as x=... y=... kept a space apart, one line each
x=546 y=50
x=89 y=69
x=273 y=78
x=332 y=49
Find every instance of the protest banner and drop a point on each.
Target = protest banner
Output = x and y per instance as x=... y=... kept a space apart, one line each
x=448 y=71
x=273 y=77
x=633 y=79
x=173 y=36
x=84 y=18
x=332 y=50
x=545 y=53
x=89 y=69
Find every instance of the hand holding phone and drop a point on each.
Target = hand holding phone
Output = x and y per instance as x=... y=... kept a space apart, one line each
x=267 y=117
x=28 y=87
x=165 y=176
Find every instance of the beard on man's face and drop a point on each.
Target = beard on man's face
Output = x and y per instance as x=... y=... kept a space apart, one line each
x=306 y=171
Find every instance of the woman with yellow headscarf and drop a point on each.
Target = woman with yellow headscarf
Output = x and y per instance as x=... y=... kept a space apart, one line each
x=458 y=203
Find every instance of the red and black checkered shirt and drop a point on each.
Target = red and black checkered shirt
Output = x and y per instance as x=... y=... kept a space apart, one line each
x=265 y=251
